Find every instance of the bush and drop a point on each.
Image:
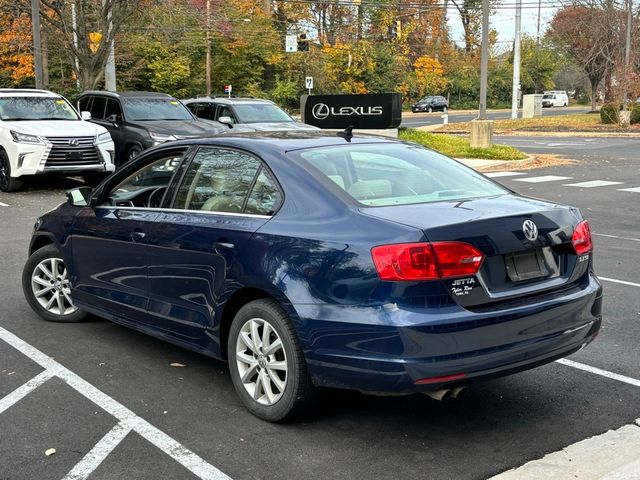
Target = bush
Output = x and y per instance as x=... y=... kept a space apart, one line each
x=635 y=114
x=609 y=114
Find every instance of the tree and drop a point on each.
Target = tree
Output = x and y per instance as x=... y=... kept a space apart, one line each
x=539 y=65
x=16 y=58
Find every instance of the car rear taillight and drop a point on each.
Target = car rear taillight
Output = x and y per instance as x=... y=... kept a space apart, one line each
x=426 y=261
x=581 y=238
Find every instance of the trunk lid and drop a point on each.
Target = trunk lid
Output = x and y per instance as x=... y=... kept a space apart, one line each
x=520 y=259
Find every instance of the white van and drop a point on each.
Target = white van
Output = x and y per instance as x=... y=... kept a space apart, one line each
x=555 y=98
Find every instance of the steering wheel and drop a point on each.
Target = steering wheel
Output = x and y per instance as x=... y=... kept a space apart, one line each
x=155 y=197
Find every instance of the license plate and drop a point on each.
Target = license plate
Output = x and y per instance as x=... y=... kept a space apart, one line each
x=525 y=266
x=74 y=155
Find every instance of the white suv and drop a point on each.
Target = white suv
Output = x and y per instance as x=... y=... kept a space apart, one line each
x=40 y=132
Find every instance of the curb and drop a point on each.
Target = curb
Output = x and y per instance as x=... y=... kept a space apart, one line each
x=484 y=164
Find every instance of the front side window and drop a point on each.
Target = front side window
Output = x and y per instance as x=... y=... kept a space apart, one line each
x=140 y=109
x=146 y=186
x=396 y=174
x=13 y=109
x=227 y=181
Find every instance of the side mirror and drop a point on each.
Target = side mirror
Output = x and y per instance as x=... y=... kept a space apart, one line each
x=85 y=115
x=226 y=120
x=79 y=197
x=113 y=119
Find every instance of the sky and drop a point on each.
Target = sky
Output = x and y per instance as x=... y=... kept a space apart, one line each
x=503 y=20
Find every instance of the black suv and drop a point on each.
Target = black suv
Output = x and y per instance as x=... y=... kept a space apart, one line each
x=140 y=120
x=432 y=103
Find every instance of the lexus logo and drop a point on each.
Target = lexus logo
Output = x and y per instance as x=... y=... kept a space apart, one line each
x=530 y=230
x=74 y=142
x=321 y=111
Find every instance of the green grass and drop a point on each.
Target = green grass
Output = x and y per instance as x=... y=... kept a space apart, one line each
x=575 y=122
x=459 y=147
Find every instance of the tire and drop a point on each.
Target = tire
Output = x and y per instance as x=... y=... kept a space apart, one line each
x=133 y=152
x=429 y=110
x=41 y=288
x=7 y=182
x=289 y=384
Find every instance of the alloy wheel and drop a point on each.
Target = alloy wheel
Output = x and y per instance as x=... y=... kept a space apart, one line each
x=261 y=361
x=50 y=285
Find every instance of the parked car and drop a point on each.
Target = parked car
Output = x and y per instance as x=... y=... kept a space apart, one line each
x=140 y=120
x=311 y=260
x=252 y=113
x=555 y=98
x=431 y=103
x=41 y=133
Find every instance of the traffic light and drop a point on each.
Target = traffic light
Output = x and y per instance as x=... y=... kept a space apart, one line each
x=395 y=29
x=303 y=43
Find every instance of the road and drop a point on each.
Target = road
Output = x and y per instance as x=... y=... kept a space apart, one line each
x=435 y=118
x=498 y=425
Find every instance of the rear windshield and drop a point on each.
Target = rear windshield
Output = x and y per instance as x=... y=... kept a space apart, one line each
x=36 y=108
x=397 y=174
x=138 y=109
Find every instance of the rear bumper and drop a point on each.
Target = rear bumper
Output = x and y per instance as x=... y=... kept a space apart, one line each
x=388 y=350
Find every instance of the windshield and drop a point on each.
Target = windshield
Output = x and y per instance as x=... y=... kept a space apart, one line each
x=261 y=112
x=137 y=109
x=547 y=96
x=36 y=108
x=397 y=174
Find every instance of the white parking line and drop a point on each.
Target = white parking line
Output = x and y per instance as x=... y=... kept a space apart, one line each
x=616 y=237
x=633 y=189
x=593 y=183
x=3 y=204
x=21 y=392
x=98 y=453
x=622 y=282
x=126 y=417
x=503 y=174
x=544 y=178
x=598 y=371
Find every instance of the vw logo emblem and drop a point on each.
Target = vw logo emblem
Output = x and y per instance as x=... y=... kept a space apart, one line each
x=530 y=230
x=320 y=111
x=74 y=142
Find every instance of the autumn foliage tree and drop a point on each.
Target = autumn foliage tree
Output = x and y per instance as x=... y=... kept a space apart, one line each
x=16 y=57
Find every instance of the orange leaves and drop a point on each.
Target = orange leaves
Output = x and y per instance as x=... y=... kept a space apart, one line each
x=16 y=61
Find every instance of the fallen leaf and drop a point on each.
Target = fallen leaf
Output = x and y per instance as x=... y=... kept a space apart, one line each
x=50 y=452
x=177 y=364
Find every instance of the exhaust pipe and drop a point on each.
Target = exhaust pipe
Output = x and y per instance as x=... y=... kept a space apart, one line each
x=457 y=392
x=440 y=395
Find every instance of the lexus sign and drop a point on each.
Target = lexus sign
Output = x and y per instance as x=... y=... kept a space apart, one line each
x=377 y=111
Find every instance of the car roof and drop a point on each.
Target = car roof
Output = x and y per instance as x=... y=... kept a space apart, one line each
x=228 y=101
x=26 y=92
x=285 y=141
x=139 y=94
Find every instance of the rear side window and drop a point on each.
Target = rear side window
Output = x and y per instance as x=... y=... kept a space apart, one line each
x=397 y=174
x=227 y=181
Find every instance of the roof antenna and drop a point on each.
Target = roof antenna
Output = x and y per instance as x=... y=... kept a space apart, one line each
x=347 y=133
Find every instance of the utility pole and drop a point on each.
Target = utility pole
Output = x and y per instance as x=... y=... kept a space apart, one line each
x=208 y=57
x=37 y=47
x=627 y=55
x=539 y=11
x=74 y=26
x=110 y=67
x=484 y=60
x=481 y=127
x=516 y=62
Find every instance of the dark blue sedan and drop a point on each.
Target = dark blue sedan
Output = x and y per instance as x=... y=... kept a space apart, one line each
x=314 y=260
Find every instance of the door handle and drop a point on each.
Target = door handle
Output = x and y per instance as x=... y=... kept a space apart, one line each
x=226 y=245
x=137 y=235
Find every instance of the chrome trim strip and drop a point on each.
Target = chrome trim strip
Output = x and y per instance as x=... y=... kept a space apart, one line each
x=181 y=210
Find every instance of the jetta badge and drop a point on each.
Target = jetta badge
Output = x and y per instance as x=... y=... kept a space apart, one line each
x=530 y=230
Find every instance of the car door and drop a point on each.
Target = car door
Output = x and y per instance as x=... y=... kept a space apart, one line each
x=109 y=240
x=224 y=197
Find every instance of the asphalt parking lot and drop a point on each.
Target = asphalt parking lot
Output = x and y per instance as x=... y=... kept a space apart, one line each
x=110 y=403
